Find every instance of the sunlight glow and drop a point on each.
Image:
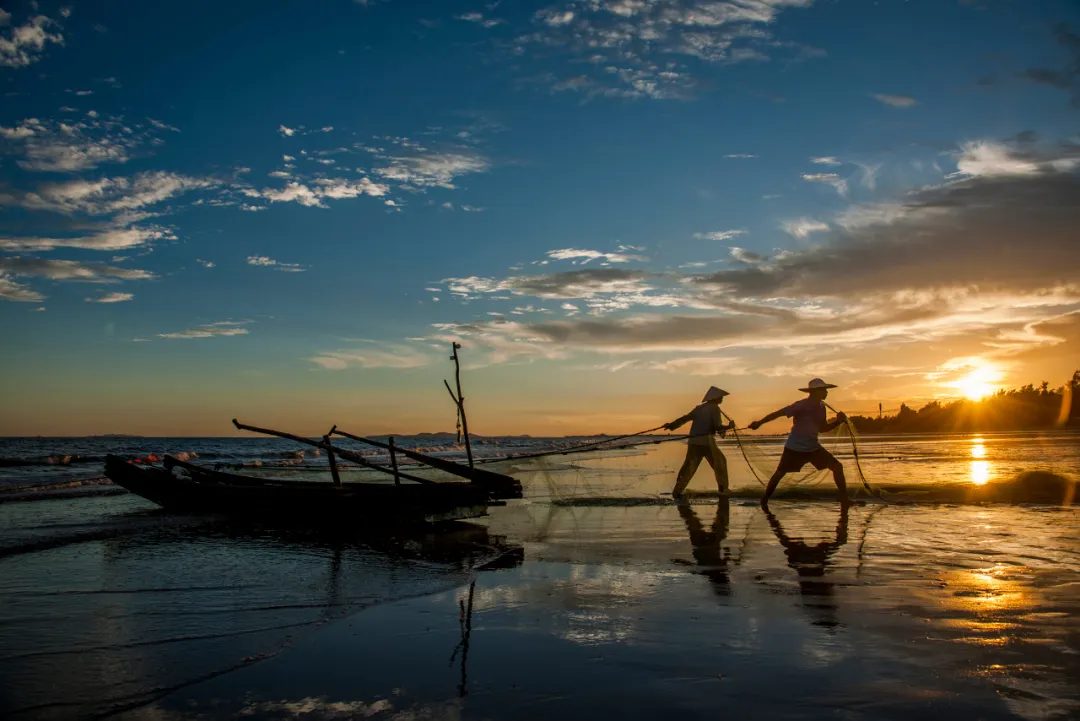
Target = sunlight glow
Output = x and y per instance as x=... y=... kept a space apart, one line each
x=980 y=472
x=978 y=449
x=978 y=383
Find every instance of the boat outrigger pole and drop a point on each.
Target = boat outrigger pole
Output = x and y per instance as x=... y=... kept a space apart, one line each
x=459 y=399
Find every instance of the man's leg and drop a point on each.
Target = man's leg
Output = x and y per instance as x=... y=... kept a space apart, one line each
x=694 y=454
x=828 y=460
x=773 y=483
x=719 y=466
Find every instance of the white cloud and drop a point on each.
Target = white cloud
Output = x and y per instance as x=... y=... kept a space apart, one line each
x=70 y=270
x=57 y=146
x=382 y=356
x=112 y=298
x=472 y=209
x=17 y=292
x=803 y=227
x=584 y=256
x=433 y=169
x=210 y=330
x=108 y=240
x=23 y=45
x=479 y=19
x=205 y=263
x=720 y=234
x=747 y=256
x=827 y=160
x=265 y=262
x=740 y=156
x=287 y=132
x=896 y=101
x=986 y=158
x=838 y=183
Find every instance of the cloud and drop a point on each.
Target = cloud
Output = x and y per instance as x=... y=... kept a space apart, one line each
x=17 y=292
x=720 y=234
x=265 y=262
x=747 y=256
x=109 y=195
x=827 y=160
x=838 y=183
x=57 y=146
x=385 y=356
x=428 y=170
x=111 y=239
x=587 y=283
x=651 y=48
x=205 y=263
x=112 y=298
x=70 y=270
x=286 y=132
x=1067 y=77
x=225 y=328
x=24 y=44
x=896 y=101
x=740 y=156
x=581 y=257
x=986 y=158
x=320 y=189
x=803 y=227
x=479 y=19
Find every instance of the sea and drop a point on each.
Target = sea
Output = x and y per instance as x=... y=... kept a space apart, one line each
x=595 y=594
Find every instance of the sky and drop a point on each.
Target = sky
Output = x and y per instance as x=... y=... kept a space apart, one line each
x=286 y=212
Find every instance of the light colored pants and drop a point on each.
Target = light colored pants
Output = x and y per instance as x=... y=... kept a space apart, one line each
x=694 y=455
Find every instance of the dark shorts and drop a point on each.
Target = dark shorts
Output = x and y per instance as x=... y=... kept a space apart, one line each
x=793 y=461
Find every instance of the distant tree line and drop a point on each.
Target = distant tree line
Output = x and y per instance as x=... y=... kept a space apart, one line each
x=1021 y=409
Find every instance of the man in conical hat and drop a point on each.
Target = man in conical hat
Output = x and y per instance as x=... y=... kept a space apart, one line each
x=802 y=446
x=701 y=445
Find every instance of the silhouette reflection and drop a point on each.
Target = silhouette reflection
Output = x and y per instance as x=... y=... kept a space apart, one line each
x=810 y=562
x=707 y=544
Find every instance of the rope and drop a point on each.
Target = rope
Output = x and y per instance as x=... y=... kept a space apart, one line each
x=742 y=450
x=855 y=451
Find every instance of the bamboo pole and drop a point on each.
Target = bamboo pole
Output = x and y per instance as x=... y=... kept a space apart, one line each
x=393 y=461
x=344 y=453
x=333 y=461
x=461 y=403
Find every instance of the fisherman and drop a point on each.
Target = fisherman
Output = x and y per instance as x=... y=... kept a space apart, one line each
x=802 y=446
x=706 y=422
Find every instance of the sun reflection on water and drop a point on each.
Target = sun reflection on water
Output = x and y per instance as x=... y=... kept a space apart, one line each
x=980 y=472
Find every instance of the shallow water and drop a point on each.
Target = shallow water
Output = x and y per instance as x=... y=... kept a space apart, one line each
x=110 y=607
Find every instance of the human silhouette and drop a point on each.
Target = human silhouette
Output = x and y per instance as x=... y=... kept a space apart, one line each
x=802 y=445
x=810 y=563
x=701 y=445
x=707 y=544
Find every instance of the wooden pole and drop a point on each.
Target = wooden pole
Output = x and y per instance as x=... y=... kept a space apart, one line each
x=393 y=462
x=461 y=403
x=330 y=457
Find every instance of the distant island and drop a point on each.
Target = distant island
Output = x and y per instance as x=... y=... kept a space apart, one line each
x=1029 y=408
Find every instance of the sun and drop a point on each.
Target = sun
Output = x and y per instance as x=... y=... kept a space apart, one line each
x=978 y=384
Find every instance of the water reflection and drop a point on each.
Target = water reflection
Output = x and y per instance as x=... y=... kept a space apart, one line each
x=980 y=472
x=707 y=544
x=811 y=562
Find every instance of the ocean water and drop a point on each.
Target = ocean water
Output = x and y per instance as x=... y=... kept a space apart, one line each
x=113 y=608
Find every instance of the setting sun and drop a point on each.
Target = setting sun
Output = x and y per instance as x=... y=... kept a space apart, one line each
x=978 y=383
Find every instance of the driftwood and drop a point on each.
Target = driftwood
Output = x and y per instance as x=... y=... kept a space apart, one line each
x=327 y=446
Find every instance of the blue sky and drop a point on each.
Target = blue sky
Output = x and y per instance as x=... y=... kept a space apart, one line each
x=289 y=210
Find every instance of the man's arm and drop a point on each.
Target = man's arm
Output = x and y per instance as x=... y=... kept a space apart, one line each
x=678 y=422
x=840 y=419
x=771 y=417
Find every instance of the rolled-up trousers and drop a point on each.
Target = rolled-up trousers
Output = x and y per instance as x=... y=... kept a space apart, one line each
x=694 y=455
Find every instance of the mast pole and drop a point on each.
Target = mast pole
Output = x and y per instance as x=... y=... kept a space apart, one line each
x=461 y=403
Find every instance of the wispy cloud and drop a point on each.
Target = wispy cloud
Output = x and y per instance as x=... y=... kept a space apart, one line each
x=225 y=328
x=70 y=270
x=740 y=156
x=581 y=257
x=24 y=44
x=433 y=169
x=112 y=239
x=720 y=234
x=108 y=195
x=803 y=227
x=896 y=101
x=827 y=160
x=265 y=262
x=376 y=355
x=479 y=19
x=17 y=292
x=838 y=183
x=112 y=298
x=57 y=146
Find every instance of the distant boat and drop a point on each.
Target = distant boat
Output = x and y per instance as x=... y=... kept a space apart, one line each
x=180 y=486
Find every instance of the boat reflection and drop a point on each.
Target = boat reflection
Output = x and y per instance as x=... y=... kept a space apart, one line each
x=811 y=563
x=707 y=544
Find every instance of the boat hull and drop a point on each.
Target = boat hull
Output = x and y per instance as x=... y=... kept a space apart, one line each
x=196 y=490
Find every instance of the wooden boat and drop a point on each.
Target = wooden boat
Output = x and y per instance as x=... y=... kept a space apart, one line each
x=182 y=486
